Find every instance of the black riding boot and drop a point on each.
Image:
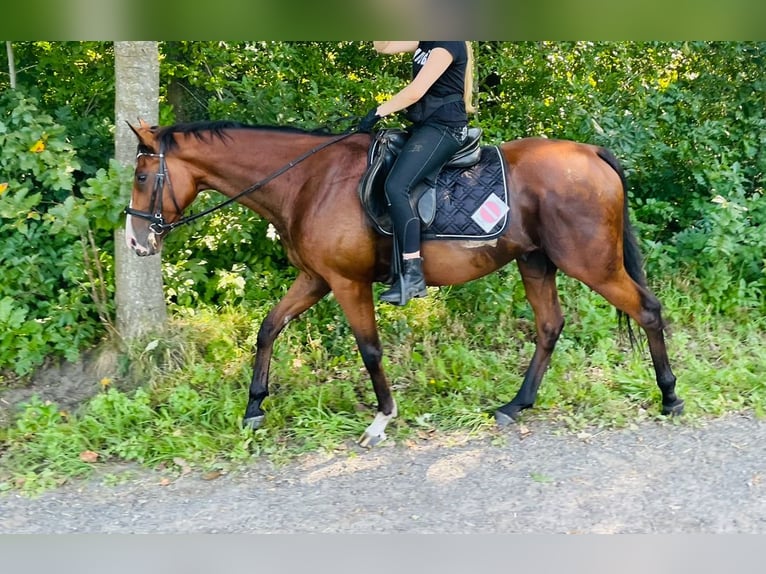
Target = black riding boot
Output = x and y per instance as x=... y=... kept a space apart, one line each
x=410 y=283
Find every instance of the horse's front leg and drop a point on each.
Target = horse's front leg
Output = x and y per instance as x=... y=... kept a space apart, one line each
x=355 y=298
x=303 y=293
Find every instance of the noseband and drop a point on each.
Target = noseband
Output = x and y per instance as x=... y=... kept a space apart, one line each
x=157 y=223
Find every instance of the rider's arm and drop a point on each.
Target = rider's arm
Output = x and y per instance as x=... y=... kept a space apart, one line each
x=438 y=61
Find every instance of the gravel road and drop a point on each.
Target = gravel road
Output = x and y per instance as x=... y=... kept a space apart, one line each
x=660 y=477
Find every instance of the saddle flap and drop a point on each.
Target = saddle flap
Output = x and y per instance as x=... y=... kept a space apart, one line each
x=385 y=146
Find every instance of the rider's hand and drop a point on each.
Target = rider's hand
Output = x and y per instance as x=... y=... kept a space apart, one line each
x=368 y=121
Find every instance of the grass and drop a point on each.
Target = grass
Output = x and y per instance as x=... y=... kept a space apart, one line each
x=452 y=358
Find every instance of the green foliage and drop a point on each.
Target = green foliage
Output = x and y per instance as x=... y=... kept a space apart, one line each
x=73 y=82
x=37 y=163
x=49 y=238
x=726 y=250
x=686 y=119
x=304 y=84
x=224 y=259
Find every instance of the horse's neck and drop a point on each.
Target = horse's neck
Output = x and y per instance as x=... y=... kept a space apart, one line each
x=260 y=160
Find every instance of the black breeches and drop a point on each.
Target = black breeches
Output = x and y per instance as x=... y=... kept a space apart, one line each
x=429 y=147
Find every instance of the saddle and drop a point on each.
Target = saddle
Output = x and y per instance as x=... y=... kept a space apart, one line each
x=385 y=147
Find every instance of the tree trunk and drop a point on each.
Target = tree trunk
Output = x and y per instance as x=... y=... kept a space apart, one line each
x=11 y=65
x=139 y=296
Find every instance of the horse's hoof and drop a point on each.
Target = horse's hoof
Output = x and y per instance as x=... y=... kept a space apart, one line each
x=674 y=410
x=508 y=414
x=253 y=423
x=503 y=420
x=368 y=441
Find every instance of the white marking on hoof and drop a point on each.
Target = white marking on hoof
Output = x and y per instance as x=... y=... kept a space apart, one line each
x=376 y=432
x=368 y=441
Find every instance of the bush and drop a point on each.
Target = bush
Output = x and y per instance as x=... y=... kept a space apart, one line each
x=49 y=236
x=725 y=249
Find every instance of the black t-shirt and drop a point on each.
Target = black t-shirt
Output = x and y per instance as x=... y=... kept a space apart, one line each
x=452 y=81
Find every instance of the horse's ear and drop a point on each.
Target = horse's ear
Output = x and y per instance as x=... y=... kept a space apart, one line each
x=143 y=133
x=134 y=130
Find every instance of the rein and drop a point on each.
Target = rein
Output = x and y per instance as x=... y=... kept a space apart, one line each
x=156 y=220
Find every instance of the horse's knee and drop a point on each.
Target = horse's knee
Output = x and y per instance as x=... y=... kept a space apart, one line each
x=549 y=333
x=266 y=334
x=372 y=355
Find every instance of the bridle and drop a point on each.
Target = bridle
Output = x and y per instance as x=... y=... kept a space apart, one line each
x=157 y=223
x=155 y=218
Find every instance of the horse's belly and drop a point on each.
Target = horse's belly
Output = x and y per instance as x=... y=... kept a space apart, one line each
x=454 y=262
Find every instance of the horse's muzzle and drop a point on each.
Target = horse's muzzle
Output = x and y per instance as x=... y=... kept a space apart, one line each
x=143 y=242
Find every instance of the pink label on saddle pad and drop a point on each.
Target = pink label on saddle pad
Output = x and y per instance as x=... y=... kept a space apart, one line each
x=490 y=212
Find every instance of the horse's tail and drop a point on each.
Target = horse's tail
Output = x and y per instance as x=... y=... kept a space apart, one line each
x=631 y=253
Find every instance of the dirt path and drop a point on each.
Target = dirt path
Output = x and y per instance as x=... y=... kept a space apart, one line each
x=657 y=478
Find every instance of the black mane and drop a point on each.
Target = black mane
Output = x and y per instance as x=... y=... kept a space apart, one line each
x=219 y=129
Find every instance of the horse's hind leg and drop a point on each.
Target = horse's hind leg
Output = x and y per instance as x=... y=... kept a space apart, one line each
x=643 y=307
x=303 y=293
x=539 y=276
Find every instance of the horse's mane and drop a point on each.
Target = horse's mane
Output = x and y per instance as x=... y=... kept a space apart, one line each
x=219 y=129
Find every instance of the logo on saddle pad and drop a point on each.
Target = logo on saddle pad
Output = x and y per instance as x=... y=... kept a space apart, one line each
x=490 y=213
x=466 y=203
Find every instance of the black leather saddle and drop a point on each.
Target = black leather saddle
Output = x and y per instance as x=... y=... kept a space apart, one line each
x=385 y=147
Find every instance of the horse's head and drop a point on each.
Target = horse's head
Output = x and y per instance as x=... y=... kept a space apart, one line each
x=157 y=201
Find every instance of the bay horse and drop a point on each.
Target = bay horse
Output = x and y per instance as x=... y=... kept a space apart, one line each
x=569 y=211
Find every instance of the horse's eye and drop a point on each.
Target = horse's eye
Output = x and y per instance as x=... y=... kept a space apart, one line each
x=141 y=178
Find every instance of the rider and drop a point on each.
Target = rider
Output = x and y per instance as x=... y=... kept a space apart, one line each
x=437 y=100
